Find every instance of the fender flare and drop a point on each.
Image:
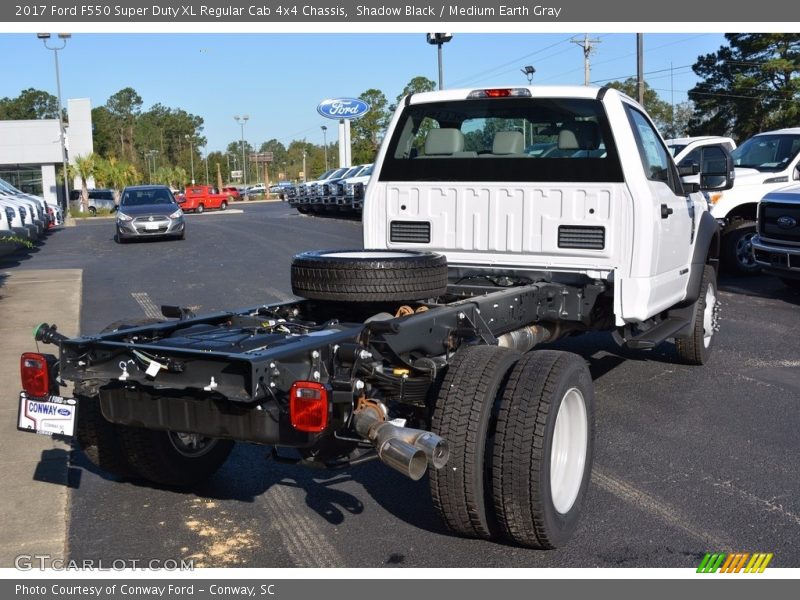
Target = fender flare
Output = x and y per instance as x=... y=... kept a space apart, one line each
x=706 y=251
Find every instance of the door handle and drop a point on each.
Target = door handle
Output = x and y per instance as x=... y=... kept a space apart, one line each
x=666 y=211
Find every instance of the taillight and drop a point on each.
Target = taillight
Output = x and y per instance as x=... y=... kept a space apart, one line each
x=500 y=93
x=34 y=374
x=308 y=406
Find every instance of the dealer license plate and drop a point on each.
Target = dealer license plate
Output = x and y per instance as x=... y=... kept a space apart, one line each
x=151 y=226
x=53 y=415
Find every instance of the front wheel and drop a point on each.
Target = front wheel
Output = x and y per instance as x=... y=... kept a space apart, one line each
x=200 y=208
x=543 y=449
x=695 y=349
x=737 y=248
x=223 y=205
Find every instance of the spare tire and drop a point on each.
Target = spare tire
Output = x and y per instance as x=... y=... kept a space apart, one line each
x=369 y=275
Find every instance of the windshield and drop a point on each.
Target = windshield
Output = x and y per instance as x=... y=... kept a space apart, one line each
x=503 y=139
x=675 y=149
x=336 y=174
x=144 y=197
x=768 y=153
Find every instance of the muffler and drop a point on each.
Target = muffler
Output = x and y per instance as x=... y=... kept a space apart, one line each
x=406 y=450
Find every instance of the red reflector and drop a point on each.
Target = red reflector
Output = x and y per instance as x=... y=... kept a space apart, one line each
x=308 y=406
x=35 y=378
x=498 y=93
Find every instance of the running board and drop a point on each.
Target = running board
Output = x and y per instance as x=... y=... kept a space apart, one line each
x=662 y=331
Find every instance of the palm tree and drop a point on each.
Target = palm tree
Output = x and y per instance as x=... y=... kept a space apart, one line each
x=84 y=168
x=117 y=174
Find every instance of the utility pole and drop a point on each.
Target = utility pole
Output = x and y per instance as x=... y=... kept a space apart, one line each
x=640 y=68
x=588 y=46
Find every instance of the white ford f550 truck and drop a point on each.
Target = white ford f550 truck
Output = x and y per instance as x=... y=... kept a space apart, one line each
x=429 y=347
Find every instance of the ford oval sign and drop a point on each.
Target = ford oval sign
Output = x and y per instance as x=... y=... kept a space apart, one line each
x=343 y=108
x=786 y=222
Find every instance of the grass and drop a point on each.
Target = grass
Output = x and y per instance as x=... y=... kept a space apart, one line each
x=101 y=212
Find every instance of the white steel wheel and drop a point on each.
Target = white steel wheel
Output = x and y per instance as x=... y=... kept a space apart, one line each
x=543 y=448
x=710 y=314
x=695 y=347
x=568 y=453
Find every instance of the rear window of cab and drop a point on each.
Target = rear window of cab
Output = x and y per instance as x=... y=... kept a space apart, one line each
x=503 y=139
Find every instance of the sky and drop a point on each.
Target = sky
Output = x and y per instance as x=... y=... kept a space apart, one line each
x=279 y=79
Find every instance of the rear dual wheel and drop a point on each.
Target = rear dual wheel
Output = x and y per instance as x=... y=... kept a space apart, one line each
x=522 y=435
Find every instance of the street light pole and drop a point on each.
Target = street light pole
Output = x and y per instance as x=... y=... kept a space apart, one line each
x=205 y=151
x=439 y=39
x=242 y=121
x=191 y=153
x=63 y=37
x=325 y=143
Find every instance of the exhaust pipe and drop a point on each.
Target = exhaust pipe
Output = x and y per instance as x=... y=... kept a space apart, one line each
x=406 y=450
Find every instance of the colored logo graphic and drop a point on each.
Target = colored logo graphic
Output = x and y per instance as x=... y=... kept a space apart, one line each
x=735 y=563
x=343 y=108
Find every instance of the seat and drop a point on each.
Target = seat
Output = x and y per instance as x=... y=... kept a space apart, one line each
x=443 y=143
x=507 y=143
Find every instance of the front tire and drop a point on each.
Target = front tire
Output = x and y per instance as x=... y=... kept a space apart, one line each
x=223 y=205
x=696 y=348
x=543 y=448
x=200 y=208
x=462 y=416
x=737 y=249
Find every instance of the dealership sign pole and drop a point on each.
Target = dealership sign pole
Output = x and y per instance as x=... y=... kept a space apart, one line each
x=343 y=110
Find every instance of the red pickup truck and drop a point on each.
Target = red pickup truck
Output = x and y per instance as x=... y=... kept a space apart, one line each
x=198 y=198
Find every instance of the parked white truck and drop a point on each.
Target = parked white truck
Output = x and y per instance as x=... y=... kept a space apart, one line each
x=765 y=163
x=424 y=349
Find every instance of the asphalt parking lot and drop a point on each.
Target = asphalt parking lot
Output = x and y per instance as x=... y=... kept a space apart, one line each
x=688 y=460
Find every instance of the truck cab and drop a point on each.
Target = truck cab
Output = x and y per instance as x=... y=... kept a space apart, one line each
x=198 y=198
x=606 y=203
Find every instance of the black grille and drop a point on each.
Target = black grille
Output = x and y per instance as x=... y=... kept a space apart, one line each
x=410 y=232
x=577 y=236
x=779 y=221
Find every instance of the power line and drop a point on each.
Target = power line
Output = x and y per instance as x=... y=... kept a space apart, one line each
x=511 y=62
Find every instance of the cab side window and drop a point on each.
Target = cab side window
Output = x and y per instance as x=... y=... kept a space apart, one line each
x=654 y=155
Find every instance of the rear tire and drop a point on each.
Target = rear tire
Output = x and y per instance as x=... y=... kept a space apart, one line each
x=543 y=448
x=462 y=416
x=369 y=275
x=99 y=439
x=223 y=205
x=93 y=211
x=200 y=208
x=696 y=348
x=173 y=459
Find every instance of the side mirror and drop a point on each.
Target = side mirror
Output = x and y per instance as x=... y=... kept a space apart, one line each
x=688 y=169
x=796 y=173
x=718 y=171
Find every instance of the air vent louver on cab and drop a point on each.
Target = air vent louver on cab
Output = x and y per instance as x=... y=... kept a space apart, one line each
x=577 y=236
x=410 y=232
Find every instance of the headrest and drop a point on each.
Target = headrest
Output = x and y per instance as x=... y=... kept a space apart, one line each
x=567 y=140
x=507 y=142
x=443 y=141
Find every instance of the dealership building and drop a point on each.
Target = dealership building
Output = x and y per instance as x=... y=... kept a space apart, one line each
x=30 y=151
